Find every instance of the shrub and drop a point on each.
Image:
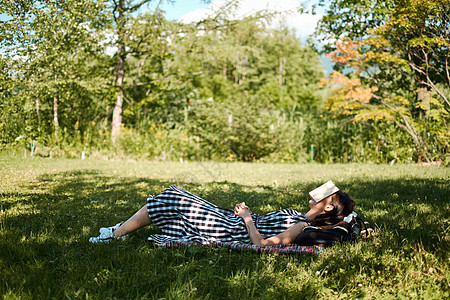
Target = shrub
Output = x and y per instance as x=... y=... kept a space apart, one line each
x=246 y=132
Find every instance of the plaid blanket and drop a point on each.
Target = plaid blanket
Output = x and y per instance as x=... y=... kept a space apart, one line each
x=239 y=246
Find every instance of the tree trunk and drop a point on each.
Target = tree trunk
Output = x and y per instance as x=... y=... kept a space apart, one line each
x=55 y=111
x=424 y=97
x=105 y=121
x=38 y=115
x=120 y=73
x=117 y=112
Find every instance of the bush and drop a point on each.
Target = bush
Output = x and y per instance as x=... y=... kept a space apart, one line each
x=245 y=132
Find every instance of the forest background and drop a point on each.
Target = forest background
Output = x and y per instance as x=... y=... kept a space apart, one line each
x=115 y=79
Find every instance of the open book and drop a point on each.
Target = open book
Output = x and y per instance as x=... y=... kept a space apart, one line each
x=323 y=191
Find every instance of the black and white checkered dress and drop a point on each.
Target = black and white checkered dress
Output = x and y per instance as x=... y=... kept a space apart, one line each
x=183 y=216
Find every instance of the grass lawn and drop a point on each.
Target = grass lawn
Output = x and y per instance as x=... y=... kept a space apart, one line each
x=50 y=207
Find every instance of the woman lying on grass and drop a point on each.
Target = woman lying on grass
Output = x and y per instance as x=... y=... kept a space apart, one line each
x=183 y=216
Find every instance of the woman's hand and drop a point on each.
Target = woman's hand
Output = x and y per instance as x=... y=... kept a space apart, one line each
x=242 y=210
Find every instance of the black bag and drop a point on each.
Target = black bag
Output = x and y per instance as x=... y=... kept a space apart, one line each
x=344 y=231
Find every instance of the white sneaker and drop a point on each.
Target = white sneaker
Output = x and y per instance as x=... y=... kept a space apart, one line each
x=106 y=235
x=107 y=229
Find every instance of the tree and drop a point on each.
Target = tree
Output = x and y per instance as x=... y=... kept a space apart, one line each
x=419 y=31
x=60 y=81
x=248 y=56
x=122 y=11
x=352 y=19
x=400 y=74
x=12 y=112
x=50 y=43
x=253 y=73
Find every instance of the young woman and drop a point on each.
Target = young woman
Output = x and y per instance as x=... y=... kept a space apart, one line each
x=183 y=216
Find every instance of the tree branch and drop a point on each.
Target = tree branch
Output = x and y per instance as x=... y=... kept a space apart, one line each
x=430 y=83
x=137 y=6
x=446 y=69
x=399 y=124
x=408 y=126
x=116 y=5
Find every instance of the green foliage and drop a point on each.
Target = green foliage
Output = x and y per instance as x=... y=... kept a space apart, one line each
x=360 y=18
x=224 y=88
x=68 y=89
x=249 y=58
x=54 y=66
x=50 y=208
x=158 y=143
x=12 y=109
x=399 y=71
x=243 y=74
x=248 y=132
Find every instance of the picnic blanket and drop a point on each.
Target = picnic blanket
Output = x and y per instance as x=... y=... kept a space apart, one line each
x=240 y=246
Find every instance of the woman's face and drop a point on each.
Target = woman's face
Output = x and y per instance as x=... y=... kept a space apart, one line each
x=323 y=205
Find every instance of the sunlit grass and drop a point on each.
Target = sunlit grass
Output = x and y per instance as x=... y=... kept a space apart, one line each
x=49 y=209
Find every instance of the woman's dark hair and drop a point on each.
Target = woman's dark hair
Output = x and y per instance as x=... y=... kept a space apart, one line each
x=343 y=206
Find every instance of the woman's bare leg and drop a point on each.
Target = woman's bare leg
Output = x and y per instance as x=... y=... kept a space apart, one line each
x=138 y=220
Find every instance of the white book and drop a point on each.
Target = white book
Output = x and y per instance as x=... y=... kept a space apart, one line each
x=323 y=191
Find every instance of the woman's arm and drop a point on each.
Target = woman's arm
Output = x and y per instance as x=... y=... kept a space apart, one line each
x=286 y=237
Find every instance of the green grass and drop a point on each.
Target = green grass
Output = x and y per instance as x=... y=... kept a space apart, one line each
x=49 y=209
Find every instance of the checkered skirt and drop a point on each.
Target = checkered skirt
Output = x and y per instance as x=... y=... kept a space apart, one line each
x=185 y=217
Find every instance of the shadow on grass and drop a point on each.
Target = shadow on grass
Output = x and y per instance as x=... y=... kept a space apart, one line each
x=416 y=210
x=45 y=231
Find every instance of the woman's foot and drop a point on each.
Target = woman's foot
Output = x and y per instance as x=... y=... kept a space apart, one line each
x=107 y=234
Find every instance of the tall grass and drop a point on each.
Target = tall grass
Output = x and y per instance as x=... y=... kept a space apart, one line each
x=225 y=132
x=50 y=207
